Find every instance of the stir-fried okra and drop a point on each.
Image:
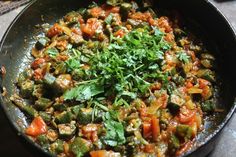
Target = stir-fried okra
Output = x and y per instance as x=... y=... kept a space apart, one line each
x=116 y=80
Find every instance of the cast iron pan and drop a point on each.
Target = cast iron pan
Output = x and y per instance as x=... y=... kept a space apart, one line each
x=218 y=33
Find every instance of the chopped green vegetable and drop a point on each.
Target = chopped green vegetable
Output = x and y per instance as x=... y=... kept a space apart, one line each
x=208 y=106
x=49 y=79
x=43 y=140
x=26 y=88
x=206 y=74
x=57 y=147
x=19 y=102
x=67 y=130
x=80 y=146
x=114 y=131
x=85 y=115
x=83 y=92
x=184 y=131
x=183 y=57
x=46 y=117
x=52 y=52
x=174 y=143
x=42 y=103
x=64 y=117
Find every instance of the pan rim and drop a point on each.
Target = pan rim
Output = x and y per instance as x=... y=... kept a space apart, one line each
x=13 y=125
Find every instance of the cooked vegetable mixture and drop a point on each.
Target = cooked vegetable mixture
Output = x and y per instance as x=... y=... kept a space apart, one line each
x=116 y=80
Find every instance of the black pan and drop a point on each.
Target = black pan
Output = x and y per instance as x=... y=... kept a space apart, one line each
x=214 y=27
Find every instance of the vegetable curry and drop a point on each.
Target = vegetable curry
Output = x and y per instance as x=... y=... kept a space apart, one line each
x=117 y=79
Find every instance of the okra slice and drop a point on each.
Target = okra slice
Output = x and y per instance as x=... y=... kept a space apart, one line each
x=85 y=115
x=64 y=117
x=46 y=117
x=57 y=147
x=43 y=140
x=26 y=88
x=43 y=103
x=67 y=130
x=49 y=79
x=80 y=146
x=19 y=102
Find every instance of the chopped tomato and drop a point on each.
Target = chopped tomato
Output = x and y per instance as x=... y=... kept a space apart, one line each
x=37 y=127
x=189 y=84
x=185 y=147
x=62 y=45
x=169 y=37
x=37 y=62
x=152 y=22
x=147 y=130
x=98 y=153
x=96 y=11
x=62 y=57
x=38 y=74
x=91 y=26
x=206 y=92
x=54 y=30
x=203 y=83
x=103 y=153
x=155 y=86
x=141 y=16
x=120 y=33
x=155 y=128
x=163 y=100
x=90 y=132
x=163 y=22
x=149 y=148
x=186 y=115
x=143 y=112
x=110 y=9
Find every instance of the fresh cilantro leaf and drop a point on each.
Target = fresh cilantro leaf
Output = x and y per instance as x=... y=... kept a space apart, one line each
x=114 y=130
x=183 y=57
x=108 y=19
x=83 y=92
x=52 y=52
x=72 y=63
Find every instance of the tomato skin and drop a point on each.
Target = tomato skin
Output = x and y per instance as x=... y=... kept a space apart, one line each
x=90 y=27
x=37 y=62
x=96 y=11
x=189 y=84
x=141 y=16
x=203 y=83
x=149 y=148
x=54 y=30
x=102 y=153
x=120 y=33
x=147 y=130
x=186 y=117
x=90 y=132
x=38 y=74
x=37 y=127
x=155 y=128
x=164 y=24
x=98 y=153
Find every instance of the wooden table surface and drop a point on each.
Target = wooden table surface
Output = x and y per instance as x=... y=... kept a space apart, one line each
x=11 y=146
